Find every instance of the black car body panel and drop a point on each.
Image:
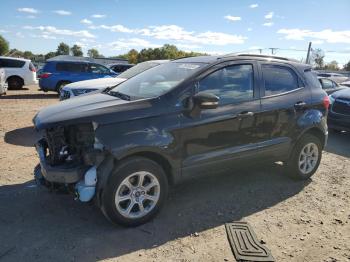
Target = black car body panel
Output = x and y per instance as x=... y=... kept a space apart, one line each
x=189 y=141
x=339 y=113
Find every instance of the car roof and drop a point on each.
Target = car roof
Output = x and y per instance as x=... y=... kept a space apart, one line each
x=14 y=58
x=120 y=64
x=230 y=57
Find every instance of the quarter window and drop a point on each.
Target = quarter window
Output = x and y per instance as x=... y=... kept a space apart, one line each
x=98 y=69
x=231 y=84
x=279 y=79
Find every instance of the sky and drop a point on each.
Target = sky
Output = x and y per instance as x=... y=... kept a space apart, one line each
x=216 y=27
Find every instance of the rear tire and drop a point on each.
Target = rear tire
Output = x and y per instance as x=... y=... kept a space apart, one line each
x=15 y=83
x=306 y=157
x=135 y=192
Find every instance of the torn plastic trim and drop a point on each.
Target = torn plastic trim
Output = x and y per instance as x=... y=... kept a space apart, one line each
x=85 y=188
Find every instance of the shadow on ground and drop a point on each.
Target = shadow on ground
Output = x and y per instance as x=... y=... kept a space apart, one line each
x=37 y=225
x=339 y=143
x=25 y=136
x=29 y=96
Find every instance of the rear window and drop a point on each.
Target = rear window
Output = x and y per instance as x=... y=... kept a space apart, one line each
x=11 y=63
x=279 y=79
x=71 y=67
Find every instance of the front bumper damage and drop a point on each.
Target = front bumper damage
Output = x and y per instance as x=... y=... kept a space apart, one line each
x=81 y=177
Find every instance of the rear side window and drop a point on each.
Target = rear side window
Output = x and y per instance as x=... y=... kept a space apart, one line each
x=71 y=67
x=11 y=63
x=279 y=79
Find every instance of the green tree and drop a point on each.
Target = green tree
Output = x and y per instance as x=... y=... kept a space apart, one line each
x=62 y=49
x=347 y=66
x=15 y=53
x=28 y=54
x=93 y=53
x=317 y=57
x=132 y=56
x=333 y=65
x=4 y=46
x=76 y=50
x=50 y=55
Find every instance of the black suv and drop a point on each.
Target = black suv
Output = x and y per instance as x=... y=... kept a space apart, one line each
x=125 y=145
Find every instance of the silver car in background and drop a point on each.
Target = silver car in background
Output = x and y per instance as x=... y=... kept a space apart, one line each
x=87 y=86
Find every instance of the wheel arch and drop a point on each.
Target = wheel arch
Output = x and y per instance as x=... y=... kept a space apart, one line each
x=15 y=76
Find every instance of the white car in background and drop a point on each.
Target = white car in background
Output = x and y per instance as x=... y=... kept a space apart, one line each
x=19 y=72
x=3 y=85
x=87 y=86
x=338 y=78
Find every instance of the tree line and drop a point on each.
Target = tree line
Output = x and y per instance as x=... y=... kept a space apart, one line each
x=133 y=56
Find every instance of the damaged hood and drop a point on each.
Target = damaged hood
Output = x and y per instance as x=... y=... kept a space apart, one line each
x=100 y=108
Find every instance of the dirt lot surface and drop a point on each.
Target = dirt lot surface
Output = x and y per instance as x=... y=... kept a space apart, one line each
x=299 y=221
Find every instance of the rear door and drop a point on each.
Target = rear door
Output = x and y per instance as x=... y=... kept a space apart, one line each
x=284 y=99
x=217 y=136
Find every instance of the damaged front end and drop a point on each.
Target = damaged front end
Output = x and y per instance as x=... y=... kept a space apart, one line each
x=69 y=158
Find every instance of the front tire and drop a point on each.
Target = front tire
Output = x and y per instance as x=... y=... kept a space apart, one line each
x=135 y=192
x=306 y=157
x=60 y=85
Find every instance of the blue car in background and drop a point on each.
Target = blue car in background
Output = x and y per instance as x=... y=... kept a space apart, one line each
x=56 y=74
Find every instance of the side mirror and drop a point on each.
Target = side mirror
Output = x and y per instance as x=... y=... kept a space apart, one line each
x=205 y=100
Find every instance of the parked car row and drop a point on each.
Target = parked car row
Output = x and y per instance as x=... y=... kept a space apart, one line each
x=83 y=87
x=338 y=78
x=125 y=145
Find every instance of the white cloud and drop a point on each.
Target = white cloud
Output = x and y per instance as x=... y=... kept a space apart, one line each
x=317 y=42
x=19 y=35
x=51 y=30
x=28 y=10
x=86 y=21
x=255 y=47
x=62 y=12
x=327 y=35
x=233 y=18
x=253 y=5
x=113 y=28
x=268 y=24
x=98 y=16
x=177 y=33
x=31 y=16
x=250 y=29
x=188 y=46
x=269 y=15
x=43 y=36
x=126 y=44
x=3 y=31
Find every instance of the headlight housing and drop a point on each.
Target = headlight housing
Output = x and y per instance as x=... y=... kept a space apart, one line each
x=81 y=91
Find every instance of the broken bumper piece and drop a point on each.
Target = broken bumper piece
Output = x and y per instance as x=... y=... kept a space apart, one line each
x=63 y=174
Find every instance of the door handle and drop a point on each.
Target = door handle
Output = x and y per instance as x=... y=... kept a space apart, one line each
x=300 y=105
x=245 y=114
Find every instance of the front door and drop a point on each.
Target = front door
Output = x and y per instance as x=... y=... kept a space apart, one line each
x=215 y=137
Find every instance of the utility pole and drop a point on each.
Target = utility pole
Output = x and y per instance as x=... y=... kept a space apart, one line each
x=260 y=50
x=273 y=49
x=308 y=53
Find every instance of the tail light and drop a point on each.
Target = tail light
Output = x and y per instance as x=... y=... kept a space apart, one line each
x=326 y=102
x=44 y=75
x=32 y=67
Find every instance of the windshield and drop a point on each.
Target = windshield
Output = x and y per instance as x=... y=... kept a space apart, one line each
x=157 y=81
x=137 y=69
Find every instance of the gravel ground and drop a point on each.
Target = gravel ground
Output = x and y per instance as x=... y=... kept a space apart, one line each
x=299 y=221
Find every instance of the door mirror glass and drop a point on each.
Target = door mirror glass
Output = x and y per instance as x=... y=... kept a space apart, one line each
x=206 y=100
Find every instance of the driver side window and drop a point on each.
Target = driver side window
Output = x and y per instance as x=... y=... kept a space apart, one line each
x=232 y=84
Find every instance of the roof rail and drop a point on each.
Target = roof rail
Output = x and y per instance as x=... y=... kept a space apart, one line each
x=264 y=56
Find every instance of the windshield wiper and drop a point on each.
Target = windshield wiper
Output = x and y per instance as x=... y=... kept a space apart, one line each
x=119 y=95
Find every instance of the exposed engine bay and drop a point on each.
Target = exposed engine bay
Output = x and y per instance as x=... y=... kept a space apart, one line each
x=67 y=145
